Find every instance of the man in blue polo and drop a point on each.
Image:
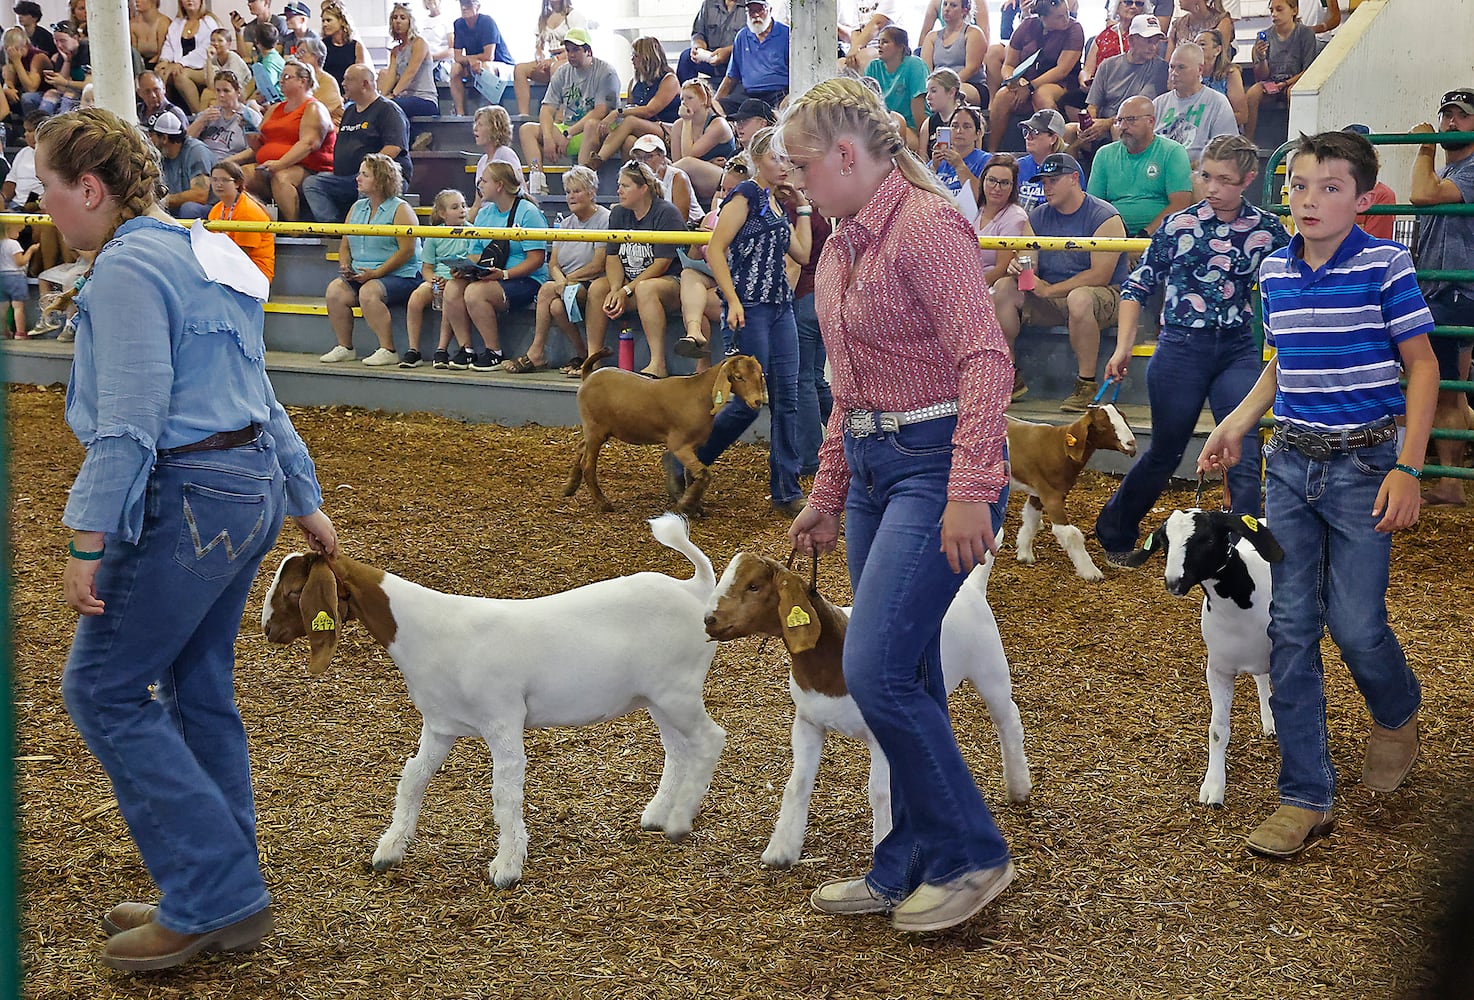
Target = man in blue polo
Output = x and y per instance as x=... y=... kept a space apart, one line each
x=759 y=66
x=478 y=45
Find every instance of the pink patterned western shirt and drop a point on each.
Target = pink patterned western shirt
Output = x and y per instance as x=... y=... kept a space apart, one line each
x=908 y=321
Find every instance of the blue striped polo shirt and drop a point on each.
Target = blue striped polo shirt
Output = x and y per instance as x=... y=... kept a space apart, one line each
x=1337 y=328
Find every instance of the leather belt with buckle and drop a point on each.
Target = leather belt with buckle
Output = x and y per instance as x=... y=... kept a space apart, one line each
x=217 y=442
x=864 y=423
x=1318 y=446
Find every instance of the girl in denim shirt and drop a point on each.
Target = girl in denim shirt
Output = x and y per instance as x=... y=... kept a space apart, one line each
x=191 y=464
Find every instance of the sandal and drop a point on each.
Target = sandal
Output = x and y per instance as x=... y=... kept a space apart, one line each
x=523 y=366
x=652 y=376
x=574 y=368
x=692 y=347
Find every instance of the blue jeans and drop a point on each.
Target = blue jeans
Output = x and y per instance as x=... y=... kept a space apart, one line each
x=1189 y=368
x=329 y=197
x=178 y=759
x=770 y=336
x=416 y=107
x=1334 y=574
x=892 y=656
x=815 y=402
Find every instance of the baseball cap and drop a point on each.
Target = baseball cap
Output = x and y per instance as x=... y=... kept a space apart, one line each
x=753 y=108
x=1462 y=99
x=296 y=9
x=65 y=28
x=578 y=36
x=1047 y=120
x=1058 y=164
x=757 y=3
x=1146 y=26
x=1357 y=129
x=28 y=8
x=648 y=143
x=167 y=123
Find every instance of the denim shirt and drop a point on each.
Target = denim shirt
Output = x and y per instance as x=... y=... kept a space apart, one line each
x=1207 y=266
x=164 y=357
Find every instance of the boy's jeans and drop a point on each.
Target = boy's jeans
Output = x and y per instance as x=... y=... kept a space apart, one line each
x=892 y=656
x=1334 y=574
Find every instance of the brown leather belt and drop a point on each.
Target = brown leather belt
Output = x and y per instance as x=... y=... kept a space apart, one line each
x=218 y=442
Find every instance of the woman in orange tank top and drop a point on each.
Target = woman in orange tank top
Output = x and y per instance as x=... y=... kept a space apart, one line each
x=296 y=139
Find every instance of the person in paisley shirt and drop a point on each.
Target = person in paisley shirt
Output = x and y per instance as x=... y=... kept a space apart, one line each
x=1205 y=258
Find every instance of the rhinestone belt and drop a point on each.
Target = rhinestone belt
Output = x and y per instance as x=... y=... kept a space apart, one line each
x=863 y=423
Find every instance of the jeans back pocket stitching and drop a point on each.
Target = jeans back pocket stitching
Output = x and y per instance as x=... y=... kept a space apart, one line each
x=222 y=537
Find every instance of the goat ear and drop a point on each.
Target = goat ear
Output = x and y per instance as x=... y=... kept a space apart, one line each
x=796 y=615
x=320 y=615
x=1075 y=443
x=1250 y=527
x=721 y=390
x=1156 y=541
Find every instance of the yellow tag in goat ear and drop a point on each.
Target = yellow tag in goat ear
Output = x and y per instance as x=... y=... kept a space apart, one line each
x=1070 y=440
x=1251 y=522
x=797 y=616
x=323 y=622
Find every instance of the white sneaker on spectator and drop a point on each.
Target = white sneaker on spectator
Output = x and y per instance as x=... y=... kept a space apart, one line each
x=338 y=353
x=381 y=357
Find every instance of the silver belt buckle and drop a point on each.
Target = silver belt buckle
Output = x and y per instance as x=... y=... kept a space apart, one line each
x=861 y=423
x=889 y=423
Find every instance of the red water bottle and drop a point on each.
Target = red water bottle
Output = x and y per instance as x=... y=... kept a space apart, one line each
x=627 y=347
x=1026 y=276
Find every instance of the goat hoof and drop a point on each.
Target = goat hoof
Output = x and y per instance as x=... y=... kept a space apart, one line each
x=677 y=837
x=504 y=880
x=606 y=507
x=651 y=826
x=781 y=860
x=382 y=865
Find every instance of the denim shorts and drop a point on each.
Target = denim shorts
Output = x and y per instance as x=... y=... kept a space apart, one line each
x=398 y=288
x=1451 y=307
x=521 y=292
x=15 y=286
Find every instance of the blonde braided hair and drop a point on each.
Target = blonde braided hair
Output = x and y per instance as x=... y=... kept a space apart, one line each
x=96 y=141
x=846 y=107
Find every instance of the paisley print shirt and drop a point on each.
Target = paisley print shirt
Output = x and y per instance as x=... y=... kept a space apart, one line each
x=1207 y=266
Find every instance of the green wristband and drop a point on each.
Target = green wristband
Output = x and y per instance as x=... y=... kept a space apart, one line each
x=1415 y=473
x=85 y=556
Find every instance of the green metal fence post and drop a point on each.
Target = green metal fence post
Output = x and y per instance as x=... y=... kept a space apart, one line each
x=9 y=840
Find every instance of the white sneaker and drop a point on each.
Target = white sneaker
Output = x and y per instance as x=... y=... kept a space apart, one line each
x=339 y=353
x=382 y=357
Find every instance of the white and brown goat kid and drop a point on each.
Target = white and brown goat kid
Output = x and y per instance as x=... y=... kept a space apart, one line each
x=1228 y=555
x=582 y=656
x=757 y=596
x=1044 y=462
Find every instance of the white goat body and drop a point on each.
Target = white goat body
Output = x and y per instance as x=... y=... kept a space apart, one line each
x=494 y=668
x=971 y=650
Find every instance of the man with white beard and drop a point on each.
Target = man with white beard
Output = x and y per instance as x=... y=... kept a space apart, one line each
x=759 y=66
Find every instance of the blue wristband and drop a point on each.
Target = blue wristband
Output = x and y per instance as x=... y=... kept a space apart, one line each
x=84 y=556
x=1415 y=473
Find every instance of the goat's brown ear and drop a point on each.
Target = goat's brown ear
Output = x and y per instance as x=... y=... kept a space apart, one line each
x=721 y=390
x=1075 y=437
x=320 y=615
x=796 y=614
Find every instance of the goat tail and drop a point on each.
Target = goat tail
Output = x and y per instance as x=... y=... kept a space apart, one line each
x=978 y=578
x=592 y=363
x=674 y=532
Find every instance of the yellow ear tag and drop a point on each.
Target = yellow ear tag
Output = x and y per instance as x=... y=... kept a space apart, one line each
x=721 y=397
x=1251 y=522
x=323 y=622
x=1146 y=545
x=797 y=616
x=1070 y=440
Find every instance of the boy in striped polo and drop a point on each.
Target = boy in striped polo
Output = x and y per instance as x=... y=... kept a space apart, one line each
x=1342 y=309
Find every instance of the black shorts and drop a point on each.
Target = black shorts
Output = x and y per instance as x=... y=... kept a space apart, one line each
x=1451 y=307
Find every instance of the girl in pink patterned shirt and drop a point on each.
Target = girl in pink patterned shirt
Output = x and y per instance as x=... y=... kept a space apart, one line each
x=915 y=457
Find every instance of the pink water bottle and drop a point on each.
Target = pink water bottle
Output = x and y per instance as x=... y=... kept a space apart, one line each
x=627 y=347
x=1026 y=276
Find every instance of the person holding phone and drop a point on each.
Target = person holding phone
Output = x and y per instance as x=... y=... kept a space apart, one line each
x=1281 y=56
x=959 y=163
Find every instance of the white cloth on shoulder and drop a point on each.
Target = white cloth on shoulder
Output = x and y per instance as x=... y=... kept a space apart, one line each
x=225 y=263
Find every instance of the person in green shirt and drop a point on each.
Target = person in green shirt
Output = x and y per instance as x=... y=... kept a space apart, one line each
x=1145 y=176
x=902 y=77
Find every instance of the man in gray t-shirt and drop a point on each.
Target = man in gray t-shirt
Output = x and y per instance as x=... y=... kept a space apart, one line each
x=1190 y=113
x=1139 y=71
x=581 y=93
x=1447 y=241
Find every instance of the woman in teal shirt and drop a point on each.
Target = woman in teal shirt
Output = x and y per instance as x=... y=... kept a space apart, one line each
x=902 y=78
x=375 y=272
x=477 y=299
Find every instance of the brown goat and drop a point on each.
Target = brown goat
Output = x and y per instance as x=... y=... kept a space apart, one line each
x=1044 y=462
x=676 y=412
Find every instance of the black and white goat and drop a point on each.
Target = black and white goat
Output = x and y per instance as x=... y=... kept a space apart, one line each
x=1228 y=555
